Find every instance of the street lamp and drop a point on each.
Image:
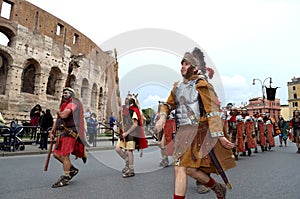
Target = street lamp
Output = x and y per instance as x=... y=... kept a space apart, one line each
x=263 y=88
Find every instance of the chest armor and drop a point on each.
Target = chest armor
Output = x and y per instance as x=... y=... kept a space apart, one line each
x=187 y=100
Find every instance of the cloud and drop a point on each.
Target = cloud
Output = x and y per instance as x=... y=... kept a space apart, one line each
x=236 y=89
x=152 y=101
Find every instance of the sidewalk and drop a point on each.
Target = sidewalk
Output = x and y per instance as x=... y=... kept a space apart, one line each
x=102 y=144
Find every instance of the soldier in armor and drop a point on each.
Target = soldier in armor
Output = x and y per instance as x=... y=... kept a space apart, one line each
x=132 y=134
x=275 y=130
x=69 y=127
x=232 y=129
x=295 y=125
x=197 y=114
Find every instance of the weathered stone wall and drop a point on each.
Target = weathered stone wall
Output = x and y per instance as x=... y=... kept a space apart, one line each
x=36 y=55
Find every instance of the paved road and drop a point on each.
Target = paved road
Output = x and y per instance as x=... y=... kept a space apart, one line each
x=267 y=175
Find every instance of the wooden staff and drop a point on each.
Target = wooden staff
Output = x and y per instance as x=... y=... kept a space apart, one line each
x=122 y=130
x=73 y=63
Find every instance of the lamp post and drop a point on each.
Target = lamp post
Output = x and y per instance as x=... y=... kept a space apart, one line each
x=263 y=88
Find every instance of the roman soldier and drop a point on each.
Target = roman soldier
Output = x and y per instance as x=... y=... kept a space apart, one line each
x=69 y=127
x=132 y=135
x=200 y=137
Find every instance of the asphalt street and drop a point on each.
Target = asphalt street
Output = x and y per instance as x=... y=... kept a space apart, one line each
x=272 y=174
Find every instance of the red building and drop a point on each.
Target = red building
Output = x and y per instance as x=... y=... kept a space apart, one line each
x=262 y=106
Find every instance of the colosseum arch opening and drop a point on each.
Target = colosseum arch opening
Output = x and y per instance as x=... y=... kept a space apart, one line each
x=94 y=96
x=6 y=35
x=85 y=91
x=3 y=73
x=53 y=83
x=29 y=76
x=72 y=81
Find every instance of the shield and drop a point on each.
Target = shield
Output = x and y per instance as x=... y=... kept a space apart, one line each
x=240 y=134
x=270 y=135
x=249 y=134
x=262 y=137
x=170 y=130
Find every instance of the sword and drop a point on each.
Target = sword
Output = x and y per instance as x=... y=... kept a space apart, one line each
x=219 y=168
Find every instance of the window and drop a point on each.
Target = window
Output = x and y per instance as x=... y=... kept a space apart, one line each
x=6 y=9
x=294 y=88
x=59 y=29
x=295 y=104
x=75 y=38
x=295 y=96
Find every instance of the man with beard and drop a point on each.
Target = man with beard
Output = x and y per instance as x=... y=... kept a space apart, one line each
x=200 y=129
x=69 y=127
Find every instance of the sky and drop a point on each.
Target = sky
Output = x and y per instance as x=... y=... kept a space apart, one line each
x=242 y=41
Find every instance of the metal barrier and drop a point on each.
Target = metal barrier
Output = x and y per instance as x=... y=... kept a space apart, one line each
x=109 y=128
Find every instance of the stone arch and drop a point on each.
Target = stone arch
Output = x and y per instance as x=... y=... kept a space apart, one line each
x=5 y=60
x=30 y=76
x=94 y=96
x=54 y=80
x=8 y=33
x=85 y=91
x=72 y=81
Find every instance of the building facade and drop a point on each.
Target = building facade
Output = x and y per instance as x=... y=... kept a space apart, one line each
x=293 y=95
x=258 y=105
x=34 y=62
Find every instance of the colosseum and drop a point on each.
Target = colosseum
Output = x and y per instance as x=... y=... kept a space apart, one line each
x=35 y=51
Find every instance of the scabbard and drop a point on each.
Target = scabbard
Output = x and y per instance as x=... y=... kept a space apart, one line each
x=57 y=141
x=219 y=168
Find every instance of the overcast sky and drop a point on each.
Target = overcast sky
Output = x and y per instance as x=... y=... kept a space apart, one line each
x=244 y=39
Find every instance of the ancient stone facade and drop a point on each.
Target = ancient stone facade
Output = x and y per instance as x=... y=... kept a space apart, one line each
x=35 y=59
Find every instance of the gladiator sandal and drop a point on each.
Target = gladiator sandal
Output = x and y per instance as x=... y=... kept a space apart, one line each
x=201 y=188
x=62 y=181
x=220 y=190
x=129 y=173
x=164 y=162
x=73 y=171
x=126 y=168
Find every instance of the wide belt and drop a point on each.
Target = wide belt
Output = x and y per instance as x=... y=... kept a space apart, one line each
x=64 y=133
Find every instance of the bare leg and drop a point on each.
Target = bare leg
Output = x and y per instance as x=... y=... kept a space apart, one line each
x=198 y=175
x=121 y=152
x=180 y=180
x=130 y=157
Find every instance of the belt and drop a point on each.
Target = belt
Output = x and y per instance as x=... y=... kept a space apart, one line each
x=64 y=133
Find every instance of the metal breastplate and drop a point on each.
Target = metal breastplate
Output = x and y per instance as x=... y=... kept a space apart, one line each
x=188 y=92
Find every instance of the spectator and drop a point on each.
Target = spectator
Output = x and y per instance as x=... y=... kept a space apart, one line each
x=92 y=124
x=112 y=121
x=35 y=116
x=87 y=114
x=46 y=123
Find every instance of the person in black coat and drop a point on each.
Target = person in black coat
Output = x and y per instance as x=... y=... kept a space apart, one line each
x=46 y=123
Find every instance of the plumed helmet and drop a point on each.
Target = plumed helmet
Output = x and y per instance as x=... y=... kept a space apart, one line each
x=70 y=90
x=199 y=55
x=189 y=57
